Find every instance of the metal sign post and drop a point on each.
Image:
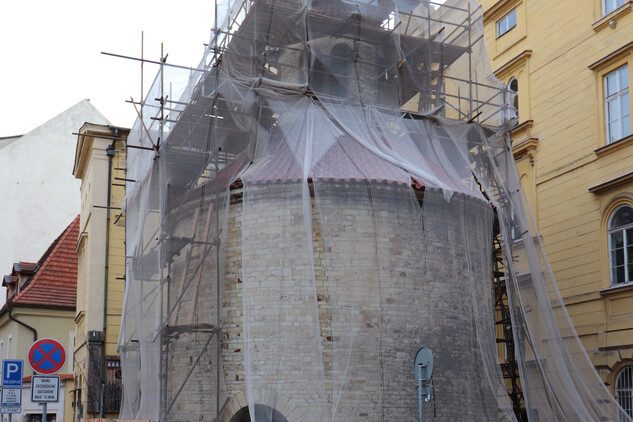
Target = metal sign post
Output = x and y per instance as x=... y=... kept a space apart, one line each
x=46 y=356
x=44 y=390
x=12 y=370
x=423 y=372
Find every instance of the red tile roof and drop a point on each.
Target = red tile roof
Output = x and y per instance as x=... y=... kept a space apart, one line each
x=345 y=160
x=54 y=284
x=62 y=377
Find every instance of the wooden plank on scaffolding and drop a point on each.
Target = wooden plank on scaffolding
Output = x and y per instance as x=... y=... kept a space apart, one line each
x=194 y=295
x=174 y=316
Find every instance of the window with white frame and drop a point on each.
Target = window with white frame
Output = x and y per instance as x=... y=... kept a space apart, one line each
x=624 y=392
x=609 y=6
x=621 y=245
x=506 y=23
x=9 y=346
x=617 y=105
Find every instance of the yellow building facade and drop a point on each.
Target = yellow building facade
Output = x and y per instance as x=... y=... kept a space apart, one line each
x=571 y=63
x=99 y=163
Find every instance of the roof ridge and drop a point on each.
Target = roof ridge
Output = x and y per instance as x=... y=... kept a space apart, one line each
x=50 y=255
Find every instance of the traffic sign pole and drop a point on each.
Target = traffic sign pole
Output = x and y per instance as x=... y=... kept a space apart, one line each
x=12 y=370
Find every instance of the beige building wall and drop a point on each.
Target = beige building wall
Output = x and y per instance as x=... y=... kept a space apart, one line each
x=559 y=53
x=99 y=163
x=51 y=323
x=15 y=341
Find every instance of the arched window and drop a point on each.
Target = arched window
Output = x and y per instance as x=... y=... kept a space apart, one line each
x=624 y=390
x=621 y=245
x=262 y=413
x=513 y=84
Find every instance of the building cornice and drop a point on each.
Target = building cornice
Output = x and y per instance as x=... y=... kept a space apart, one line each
x=625 y=49
x=517 y=61
x=81 y=240
x=613 y=183
x=499 y=8
x=22 y=307
x=526 y=147
x=85 y=139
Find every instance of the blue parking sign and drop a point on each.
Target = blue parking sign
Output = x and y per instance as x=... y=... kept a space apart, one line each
x=12 y=372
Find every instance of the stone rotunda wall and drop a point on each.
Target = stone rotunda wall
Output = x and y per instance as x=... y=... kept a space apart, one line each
x=383 y=275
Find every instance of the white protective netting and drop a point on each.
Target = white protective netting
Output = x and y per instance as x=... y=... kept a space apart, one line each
x=328 y=185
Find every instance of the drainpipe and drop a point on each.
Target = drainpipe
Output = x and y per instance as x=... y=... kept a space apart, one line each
x=110 y=152
x=12 y=318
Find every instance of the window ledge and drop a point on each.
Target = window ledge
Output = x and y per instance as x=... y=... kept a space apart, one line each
x=616 y=289
x=614 y=146
x=79 y=314
x=616 y=14
x=499 y=36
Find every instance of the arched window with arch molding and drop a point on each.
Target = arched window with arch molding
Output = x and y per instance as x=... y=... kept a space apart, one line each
x=262 y=413
x=621 y=245
x=624 y=391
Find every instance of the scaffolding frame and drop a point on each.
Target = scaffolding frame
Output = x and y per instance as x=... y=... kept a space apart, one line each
x=165 y=110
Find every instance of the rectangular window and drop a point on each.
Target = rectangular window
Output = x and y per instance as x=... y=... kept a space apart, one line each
x=609 y=6
x=617 y=106
x=617 y=258
x=506 y=23
x=622 y=256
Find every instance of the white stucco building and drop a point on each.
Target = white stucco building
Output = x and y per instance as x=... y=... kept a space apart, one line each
x=38 y=191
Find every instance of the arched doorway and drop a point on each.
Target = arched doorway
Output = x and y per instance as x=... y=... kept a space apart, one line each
x=263 y=413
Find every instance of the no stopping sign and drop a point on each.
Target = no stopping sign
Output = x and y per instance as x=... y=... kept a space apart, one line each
x=47 y=356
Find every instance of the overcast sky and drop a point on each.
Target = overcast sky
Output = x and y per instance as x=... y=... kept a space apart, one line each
x=51 y=54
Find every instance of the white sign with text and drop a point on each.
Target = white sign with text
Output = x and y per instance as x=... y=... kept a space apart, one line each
x=44 y=389
x=11 y=396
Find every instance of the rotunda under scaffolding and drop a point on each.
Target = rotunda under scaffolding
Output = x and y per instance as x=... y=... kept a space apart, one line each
x=322 y=200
